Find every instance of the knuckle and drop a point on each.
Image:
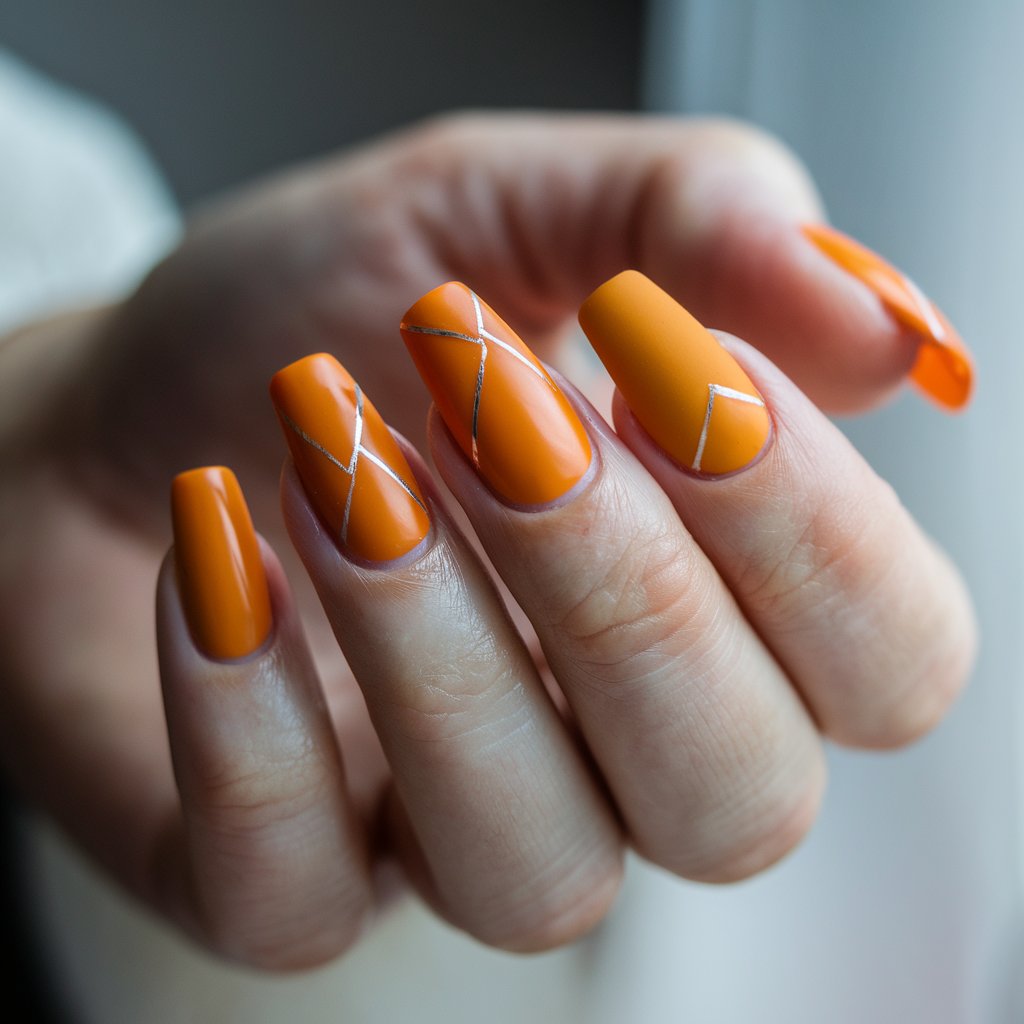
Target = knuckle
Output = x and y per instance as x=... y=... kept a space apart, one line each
x=263 y=907
x=825 y=561
x=443 y=143
x=932 y=674
x=639 y=600
x=247 y=799
x=775 y=835
x=732 y=135
x=752 y=150
x=439 y=171
x=739 y=166
x=733 y=850
x=769 y=150
x=906 y=624
x=558 y=908
x=478 y=692
x=876 y=624
x=450 y=128
x=427 y=167
x=287 y=946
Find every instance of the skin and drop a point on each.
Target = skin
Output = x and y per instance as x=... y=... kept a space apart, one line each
x=792 y=601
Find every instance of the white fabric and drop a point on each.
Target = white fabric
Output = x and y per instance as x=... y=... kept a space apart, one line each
x=905 y=903
x=82 y=210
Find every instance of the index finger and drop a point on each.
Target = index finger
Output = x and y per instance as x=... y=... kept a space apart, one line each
x=716 y=212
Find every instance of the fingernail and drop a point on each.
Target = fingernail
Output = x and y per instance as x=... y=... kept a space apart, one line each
x=944 y=370
x=499 y=403
x=350 y=465
x=217 y=558
x=688 y=393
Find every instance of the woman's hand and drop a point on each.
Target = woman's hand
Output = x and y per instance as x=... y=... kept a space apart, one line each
x=703 y=633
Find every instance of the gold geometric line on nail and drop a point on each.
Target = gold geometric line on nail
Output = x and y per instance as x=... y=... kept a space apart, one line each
x=358 y=449
x=481 y=339
x=713 y=391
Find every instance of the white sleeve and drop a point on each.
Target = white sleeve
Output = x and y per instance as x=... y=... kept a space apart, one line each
x=83 y=211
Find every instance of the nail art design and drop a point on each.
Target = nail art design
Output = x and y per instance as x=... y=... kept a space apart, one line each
x=350 y=465
x=688 y=393
x=217 y=558
x=497 y=400
x=944 y=370
x=714 y=390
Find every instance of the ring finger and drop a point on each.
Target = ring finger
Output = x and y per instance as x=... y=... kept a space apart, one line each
x=712 y=759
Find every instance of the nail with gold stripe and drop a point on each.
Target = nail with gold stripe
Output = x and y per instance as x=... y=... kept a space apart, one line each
x=350 y=464
x=498 y=401
x=687 y=392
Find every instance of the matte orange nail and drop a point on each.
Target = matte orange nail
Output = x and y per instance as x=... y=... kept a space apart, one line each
x=217 y=558
x=689 y=394
x=350 y=465
x=943 y=370
x=498 y=401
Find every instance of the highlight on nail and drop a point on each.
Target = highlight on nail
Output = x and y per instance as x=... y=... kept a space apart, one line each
x=944 y=370
x=684 y=388
x=350 y=465
x=219 y=568
x=497 y=400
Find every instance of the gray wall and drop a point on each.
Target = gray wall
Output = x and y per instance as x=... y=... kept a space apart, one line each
x=223 y=90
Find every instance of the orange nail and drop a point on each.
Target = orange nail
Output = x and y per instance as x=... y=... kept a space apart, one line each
x=943 y=370
x=220 y=572
x=689 y=394
x=350 y=465
x=498 y=401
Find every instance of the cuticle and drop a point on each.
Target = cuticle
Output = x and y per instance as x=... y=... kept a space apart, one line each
x=262 y=650
x=577 y=489
x=404 y=561
x=711 y=477
x=769 y=441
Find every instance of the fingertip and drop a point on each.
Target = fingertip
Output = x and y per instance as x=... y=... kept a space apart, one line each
x=738 y=233
x=744 y=265
x=820 y=325
x=942 y=367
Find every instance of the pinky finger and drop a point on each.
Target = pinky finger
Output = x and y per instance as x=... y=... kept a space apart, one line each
x=274 y=854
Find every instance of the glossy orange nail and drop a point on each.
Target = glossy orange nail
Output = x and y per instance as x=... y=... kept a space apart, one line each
x=349 y=463
x=217 y=558
x=499 y=403
x=943 y=370
x=689 y=394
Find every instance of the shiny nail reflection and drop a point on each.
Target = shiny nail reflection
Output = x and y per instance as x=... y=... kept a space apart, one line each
x=498 y=401
x=217 y=558
x=350 y=464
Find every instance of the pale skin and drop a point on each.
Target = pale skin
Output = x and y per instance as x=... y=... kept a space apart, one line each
x=699 y=640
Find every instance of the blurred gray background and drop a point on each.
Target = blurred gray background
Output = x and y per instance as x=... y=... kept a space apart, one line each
x=221 y=91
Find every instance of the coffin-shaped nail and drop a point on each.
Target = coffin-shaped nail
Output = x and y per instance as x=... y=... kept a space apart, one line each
x=687 y=392
x=350 y=465
x=498 y=401
x=944 y=370
x=217 y=559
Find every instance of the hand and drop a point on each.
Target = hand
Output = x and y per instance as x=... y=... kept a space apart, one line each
x=699 y=661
